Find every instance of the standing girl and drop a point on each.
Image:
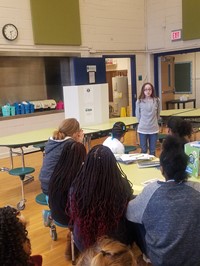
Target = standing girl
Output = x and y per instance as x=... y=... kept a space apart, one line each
x=148 y=114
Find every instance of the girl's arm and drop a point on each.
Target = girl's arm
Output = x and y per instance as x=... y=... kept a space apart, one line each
x=158 y=108
x=137 y=110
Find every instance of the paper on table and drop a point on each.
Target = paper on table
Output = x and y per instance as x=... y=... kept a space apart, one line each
x=149 y=181
x=134 y=157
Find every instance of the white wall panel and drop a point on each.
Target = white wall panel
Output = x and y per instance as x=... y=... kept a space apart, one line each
x=162 y=18
x=113 y=25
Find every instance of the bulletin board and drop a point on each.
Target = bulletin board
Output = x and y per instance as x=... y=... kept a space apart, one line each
x=56 y=22
x=190 y=19
x=183 y=77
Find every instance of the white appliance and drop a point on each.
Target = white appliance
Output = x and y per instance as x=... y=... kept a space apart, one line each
x=89 y=104
x=120 y=93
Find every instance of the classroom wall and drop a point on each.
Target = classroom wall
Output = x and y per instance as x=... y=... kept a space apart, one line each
x=139 y=27
x=22 y=125
x=194 y=58
x=107 y=27
x=162 y=17
x=112 y=25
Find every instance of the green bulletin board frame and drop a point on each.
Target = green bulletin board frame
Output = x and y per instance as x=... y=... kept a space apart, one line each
x=56 y=22
x=183 y=77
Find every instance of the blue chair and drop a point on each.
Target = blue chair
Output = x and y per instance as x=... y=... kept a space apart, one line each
x=21 y=172
x=41 y=199
x=40 y=146
x=161 y=137
x=129 y=148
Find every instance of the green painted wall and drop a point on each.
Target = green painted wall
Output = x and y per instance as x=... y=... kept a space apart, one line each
x=191 y=19
x=56 y=22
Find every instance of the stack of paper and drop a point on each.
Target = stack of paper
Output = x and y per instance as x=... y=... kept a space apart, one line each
x=145 y=164
x=130 y=158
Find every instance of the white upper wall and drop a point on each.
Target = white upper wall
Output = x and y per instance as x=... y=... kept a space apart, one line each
x=163 y=17
x=106 y=26
x=113 y=25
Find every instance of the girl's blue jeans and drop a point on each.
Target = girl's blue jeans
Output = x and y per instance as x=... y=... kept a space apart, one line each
x=148 y=141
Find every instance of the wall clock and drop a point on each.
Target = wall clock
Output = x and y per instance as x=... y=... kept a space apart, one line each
x=10 y=32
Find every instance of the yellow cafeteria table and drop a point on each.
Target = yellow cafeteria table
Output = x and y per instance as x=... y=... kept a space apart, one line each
x=184 y=113
x=193 y=113
x=107 y=126
x=128 y=121
x=174 y=112
x=30 y=138
x=137 y=176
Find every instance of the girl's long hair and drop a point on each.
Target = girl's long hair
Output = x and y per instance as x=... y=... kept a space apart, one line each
x=101 y=192
x=70 y=162
x=67 y=128
x=142 y=95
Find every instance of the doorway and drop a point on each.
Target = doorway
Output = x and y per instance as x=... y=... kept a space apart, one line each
x=123 y=66
x=167 y=79
x=182 y=56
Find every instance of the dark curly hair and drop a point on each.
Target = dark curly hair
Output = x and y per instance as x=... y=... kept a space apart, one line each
x=13 y=235
x=100 y=196
x=180 y=127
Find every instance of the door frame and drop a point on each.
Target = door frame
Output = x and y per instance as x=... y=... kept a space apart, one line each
x=157 y=69
x=133 y=76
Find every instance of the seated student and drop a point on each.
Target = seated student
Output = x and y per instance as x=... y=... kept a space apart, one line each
x=66 y=169
x=180 y=128
x=170 y=211
x=15 y=247
x=107 y=252
x=68 y=129
x=99 y=197
x=71 y=159
x=115 y=142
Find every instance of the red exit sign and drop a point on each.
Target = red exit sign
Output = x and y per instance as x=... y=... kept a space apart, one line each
x=176 y=35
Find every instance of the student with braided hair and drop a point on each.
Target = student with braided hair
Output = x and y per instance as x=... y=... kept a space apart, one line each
x=107 y=252
x=98 y=199
x=69 y=163
x=68 y=129
x=115 y=141
x=15 y=247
